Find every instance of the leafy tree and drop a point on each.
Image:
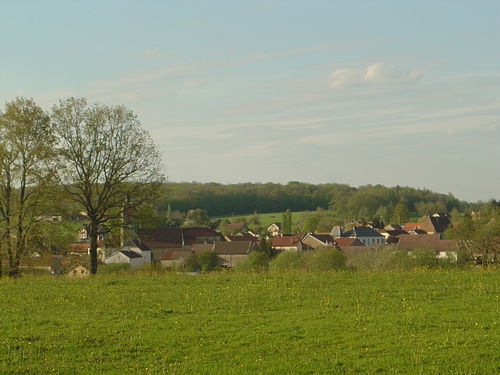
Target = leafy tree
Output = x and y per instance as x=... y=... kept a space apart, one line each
x=26 y=166
x=54 y=237
x=204 y=261
x=109 y=162
x=196 y=217
x=265 y=246
x=400 y=214
x=479 y=235
x=257 y=261
x=286 y=221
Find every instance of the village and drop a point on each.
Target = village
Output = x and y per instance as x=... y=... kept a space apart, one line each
x=170 y=247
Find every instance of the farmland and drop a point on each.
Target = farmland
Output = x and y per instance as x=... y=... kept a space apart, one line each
x=414 y=322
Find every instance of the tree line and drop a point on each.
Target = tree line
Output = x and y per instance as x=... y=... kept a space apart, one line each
x=349 y=203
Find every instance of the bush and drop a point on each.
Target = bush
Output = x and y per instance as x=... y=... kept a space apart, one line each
x=287 y=260
x=207 y=261
x=325 y=260
x=204 y=261
x=391 y=258
x=257 y=261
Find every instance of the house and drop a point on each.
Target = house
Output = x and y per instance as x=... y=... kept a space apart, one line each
x=318 y=240
x=50 y=217
x=126 y=256
x=286 y=243
x=171 y=258
x=443 y=248
x=336 y=231
x=347 y=241
x=274 y=229
x=431 y=224
x=164 y=239
x=232 y=228
x=367 y=235
x=192 y=235
x=391 y=236
x=393 y=227
x=241 y=237
x=230 y=254
x=139 y=247
x=78 y=272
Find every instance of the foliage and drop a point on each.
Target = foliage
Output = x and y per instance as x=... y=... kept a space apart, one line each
x=109 y=163
x=387 y=258
x=480 y=234
x=257 y=261
x=26 y=168
x=53 y=237
x=196 y=217
x=346 y=202
x=286 y=222
x=287 y=260
x=400 y=214
x=324 y=260
x=203 y=261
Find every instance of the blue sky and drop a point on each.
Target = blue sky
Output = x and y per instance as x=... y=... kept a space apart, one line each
x=358 y=92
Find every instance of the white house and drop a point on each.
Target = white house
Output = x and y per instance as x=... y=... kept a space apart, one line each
x=126 y=256
x=367 y=235
x=274 y=229
x=139 y=247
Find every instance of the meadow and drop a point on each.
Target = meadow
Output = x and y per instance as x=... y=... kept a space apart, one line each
x=412 y=322
x=299 y=218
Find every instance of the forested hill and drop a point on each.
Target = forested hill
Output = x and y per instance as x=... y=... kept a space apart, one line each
x=365 y=201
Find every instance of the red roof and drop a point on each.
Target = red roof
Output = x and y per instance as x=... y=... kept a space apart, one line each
x=425 y=241
x=162 y=237
x=284 y=241
x=242 y=237
x=167 y=237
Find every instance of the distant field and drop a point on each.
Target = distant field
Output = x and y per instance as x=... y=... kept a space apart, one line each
x=419 y=322
x=297 y=217
x=269 y=218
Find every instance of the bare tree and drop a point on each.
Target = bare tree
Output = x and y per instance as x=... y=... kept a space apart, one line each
x=108 y=162
x=26 y=161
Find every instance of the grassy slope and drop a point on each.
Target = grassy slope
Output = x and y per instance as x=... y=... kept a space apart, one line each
x=297 y=217
x=274 y=217
x=421 y=322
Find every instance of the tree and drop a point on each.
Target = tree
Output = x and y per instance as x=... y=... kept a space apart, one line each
x=108 y=162
x=26 y=166
x=196 y=217
x=479 y=235
x=399 y=214
x=286 y=222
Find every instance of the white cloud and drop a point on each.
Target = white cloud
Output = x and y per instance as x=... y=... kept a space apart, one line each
x=374 y=74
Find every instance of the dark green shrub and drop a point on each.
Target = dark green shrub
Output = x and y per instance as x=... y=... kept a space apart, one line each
x=207 y=261
x=287 y=260
x=325 y=260
x=257 y=261
x=204 y=261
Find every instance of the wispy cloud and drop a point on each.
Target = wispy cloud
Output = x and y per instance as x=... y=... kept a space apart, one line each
x=374 y=74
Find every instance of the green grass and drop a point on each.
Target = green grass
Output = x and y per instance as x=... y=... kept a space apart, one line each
x=416 y=322
x=275 y=217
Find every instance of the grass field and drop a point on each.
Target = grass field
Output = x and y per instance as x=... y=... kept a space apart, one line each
x=275 y=217
x=297 y=217
x=415 y=322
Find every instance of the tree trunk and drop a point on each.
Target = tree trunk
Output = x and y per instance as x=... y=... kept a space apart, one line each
x=93 y=248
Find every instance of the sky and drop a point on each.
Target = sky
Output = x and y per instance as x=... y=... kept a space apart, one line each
x=357 y=92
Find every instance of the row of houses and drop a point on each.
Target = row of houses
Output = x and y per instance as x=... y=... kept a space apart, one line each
x=167 y=245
